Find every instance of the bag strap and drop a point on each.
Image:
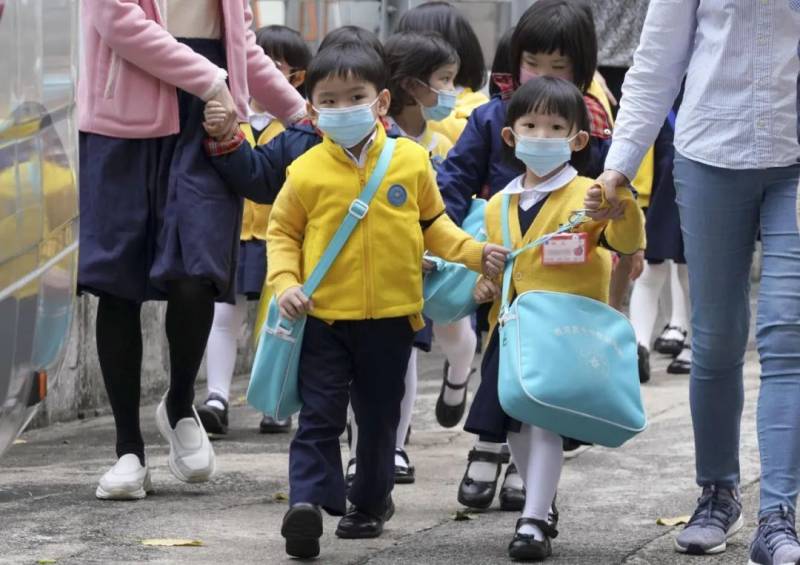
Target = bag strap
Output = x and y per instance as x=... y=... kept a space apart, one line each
x=576 y=218
x=357 y=211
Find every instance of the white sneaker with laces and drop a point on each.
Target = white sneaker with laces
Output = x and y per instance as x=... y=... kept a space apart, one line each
x=191 y=457
x=126 y=480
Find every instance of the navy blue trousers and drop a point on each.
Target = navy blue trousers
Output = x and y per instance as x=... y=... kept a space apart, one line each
x=362 y=362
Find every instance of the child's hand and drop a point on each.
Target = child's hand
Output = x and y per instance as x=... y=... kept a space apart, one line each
x=598 y=209
x=494 y=259
x=216 y=121
x=428 y=266
x=293 y=303
x=486 y=290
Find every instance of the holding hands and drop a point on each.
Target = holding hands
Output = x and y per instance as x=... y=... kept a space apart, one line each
x=601 y=202
x=221 y=121
x=494 y=259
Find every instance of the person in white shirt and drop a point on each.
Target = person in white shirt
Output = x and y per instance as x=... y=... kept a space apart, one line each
x=736 y=171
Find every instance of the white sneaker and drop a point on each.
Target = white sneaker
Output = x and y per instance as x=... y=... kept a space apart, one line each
x=126 y=480
x=191 y=457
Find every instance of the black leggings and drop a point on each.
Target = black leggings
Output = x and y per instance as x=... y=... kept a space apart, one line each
x=190 y=312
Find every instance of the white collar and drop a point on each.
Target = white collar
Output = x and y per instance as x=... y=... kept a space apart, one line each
x=529 y=197
x=260 y=120
x=361 y=160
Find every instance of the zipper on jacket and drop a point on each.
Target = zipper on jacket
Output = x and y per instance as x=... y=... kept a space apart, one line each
x=365 y=246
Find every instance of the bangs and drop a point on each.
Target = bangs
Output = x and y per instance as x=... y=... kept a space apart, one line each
x=347 y=61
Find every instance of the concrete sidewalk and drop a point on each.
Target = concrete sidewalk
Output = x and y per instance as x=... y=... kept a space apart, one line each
x=609 y=499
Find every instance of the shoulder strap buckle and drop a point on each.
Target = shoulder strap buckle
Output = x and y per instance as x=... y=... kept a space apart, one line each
x=358 y=209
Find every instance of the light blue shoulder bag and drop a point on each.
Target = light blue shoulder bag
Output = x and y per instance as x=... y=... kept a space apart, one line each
x=273 y=387
x=567 y=363
x=447 y=289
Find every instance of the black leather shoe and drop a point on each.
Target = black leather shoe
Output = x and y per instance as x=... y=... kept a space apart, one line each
x=215 y=421
x=404 y=475
x=680 y=365
x=525 y=547
x=644 y=364
x=449 y=416
x=357 y=524
x=479 y=494
x=511 y=499
x=670 y=346
x=302 y=528
x=270 y=425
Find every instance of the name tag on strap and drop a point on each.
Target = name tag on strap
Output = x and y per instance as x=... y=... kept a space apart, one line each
x=565 y=249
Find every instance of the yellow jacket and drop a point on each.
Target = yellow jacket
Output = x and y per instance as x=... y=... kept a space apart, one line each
x=378 y=273
x=591 y=279
x=452 y=126
x=256 y=216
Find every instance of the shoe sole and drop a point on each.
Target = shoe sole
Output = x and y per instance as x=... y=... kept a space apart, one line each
x=405 y=480
x=472 y=504
x=693 y=549
x=275 y=430
x=212 y=423
x=302 y=529
x=200 y=476
x=123 y=494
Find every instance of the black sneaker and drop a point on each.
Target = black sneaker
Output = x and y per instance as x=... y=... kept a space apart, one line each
x=525 y=547
x=215 y=421
x=270 y=425
x=644 y=364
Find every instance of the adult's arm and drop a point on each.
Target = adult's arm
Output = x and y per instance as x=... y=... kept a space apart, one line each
x=266 y=83
x=124 y=26
x=653 y=82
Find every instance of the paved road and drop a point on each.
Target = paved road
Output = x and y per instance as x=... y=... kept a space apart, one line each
x=609 y=499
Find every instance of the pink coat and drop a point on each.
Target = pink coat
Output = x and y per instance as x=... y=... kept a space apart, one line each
x=132 y=66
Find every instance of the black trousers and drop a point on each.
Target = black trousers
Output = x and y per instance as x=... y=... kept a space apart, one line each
x=363 y=362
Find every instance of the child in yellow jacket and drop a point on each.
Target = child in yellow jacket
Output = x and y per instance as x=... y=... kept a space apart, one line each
x=547 y=126
x=362 y=317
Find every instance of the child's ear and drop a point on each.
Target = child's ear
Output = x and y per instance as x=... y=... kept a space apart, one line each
x=580 y=142
x=311 y=112
x=508 y=136
x=384 y=101
x=298 y=79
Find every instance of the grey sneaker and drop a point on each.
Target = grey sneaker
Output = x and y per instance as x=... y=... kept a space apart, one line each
x=718 y=516
x=776 y=540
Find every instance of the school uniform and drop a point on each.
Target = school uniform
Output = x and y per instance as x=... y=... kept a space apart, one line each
x=453 y=125
x=147 y=206
x=534 y=213
x=358 y=337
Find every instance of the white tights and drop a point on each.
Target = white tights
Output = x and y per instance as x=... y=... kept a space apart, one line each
x=646 y=294
x=222 y=346
x=458 y=343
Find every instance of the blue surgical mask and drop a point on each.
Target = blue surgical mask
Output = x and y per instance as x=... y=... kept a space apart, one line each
x=444 y=105
x=543 y=155
x=347 y=126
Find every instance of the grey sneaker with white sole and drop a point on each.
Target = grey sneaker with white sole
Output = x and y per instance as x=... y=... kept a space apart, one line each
x=718 y=516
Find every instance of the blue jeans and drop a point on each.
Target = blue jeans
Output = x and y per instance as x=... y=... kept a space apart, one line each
x=721 y=212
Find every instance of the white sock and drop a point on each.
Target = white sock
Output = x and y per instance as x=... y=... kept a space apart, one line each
x=543 y=453
x=351 y=417
x=513 y=480
x=458 y=343
x=221 y=348
x=644 y=301
x=679 y=286
x=407 y=405
x=685 y=355
x=481 y=470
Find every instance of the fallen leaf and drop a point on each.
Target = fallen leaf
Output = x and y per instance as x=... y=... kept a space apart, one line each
x=280 y=497
x=19 y=442
x=46 y=561
x=463 y=515
x=173 y=542
x=678 y=520
x=241 y=401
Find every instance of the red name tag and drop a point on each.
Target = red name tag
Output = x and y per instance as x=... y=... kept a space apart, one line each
x=565 y=249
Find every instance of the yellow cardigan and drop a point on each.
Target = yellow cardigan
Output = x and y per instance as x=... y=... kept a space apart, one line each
x=591 y=279
x=256 y=216
x=378 y=273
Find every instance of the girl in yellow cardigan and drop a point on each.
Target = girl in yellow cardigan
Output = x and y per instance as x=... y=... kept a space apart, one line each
x=547 y=126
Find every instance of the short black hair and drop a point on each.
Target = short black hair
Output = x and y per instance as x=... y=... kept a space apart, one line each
x=558 y=25
x=550 y=95
x=414 y=55
x=352 y=34
x=284 y=43
x=447 y=21
x=347 y=60
x=502 y=64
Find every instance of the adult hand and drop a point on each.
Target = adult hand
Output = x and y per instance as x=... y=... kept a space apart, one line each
x=494 y=259
x=225 y=100
x=293 y=303
x=601 y=200
x=215 y=119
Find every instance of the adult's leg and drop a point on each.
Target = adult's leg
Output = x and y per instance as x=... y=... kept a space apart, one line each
x=778 y=336
x=119 y=349
x=190 y=311
x=382 y=348
x=719 y=212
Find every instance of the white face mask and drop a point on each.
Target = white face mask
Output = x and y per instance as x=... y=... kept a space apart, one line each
x=347 y=126
x=543 y=155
